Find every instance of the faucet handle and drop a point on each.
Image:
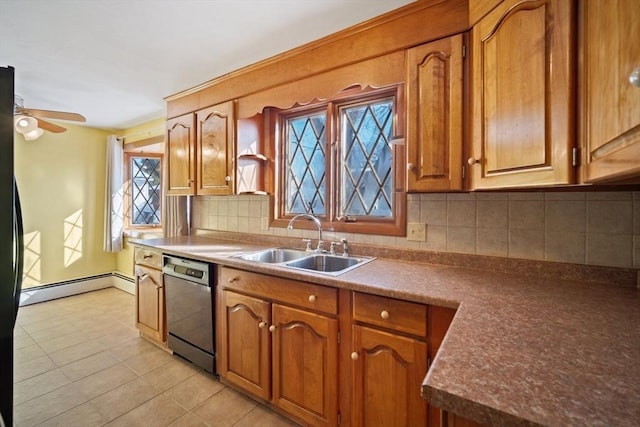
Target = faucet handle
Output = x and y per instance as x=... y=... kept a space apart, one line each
x=345 y=247
x=308 y=245
x=332 y=247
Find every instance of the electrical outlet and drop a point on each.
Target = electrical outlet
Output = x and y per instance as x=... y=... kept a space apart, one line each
x=417 y=232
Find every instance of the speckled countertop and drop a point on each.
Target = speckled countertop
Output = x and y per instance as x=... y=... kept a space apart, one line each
x=520 y=351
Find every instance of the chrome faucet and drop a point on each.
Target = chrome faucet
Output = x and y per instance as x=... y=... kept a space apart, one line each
x=316 y=221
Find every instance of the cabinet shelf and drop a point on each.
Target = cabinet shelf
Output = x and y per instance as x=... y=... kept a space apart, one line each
x=260 y=157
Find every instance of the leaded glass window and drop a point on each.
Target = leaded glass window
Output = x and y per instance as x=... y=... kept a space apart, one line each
x=366 y=178
x=145 y=190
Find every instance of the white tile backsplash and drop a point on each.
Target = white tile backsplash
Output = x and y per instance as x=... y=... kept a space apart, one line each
x=596 y=228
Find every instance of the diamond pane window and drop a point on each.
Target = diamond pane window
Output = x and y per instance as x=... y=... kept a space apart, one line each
x=366 y=178
x=145 y=190
x=305 y=170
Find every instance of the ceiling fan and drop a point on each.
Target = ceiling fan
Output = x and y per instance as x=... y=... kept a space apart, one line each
x=30 y=122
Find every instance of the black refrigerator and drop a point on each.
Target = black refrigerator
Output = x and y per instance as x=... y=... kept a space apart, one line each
x=11 y=246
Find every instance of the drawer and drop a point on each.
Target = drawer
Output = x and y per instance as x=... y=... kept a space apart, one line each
x=276 y=289
x=390 y=313
x=148 y=257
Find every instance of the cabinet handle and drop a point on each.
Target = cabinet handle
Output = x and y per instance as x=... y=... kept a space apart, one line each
x=312 y=298
x=634 y=77
x=384 y=314
x=227 y=178
x=472 y=161
x=272 y=328
x=232 y=279
x=143 y=277
x=159 y=286
x=147 y=256
x=354 y=355
x=262 y=324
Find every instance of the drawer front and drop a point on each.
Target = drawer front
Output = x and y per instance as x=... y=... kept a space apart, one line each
x=148 y=257
x=390 y=313
x=301 y=294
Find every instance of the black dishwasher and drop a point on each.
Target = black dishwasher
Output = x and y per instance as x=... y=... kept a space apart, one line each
x=189 y=298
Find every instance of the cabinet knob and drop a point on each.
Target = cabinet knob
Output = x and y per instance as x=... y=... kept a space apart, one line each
x=191 y=181
x=262 y=325
x=634 y=77
x=411 y=167
x=384 y=314
x=354 y=355
x=272 y=328
x=472 y=161
x=232 y=279
x=312 y=298
x=159 y=286
x=227 y=178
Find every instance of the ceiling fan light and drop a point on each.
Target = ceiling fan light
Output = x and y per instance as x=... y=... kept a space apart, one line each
x=25 y=124
x=33 y=135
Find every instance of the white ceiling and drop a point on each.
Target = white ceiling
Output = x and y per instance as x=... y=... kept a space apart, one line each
x=115 y=60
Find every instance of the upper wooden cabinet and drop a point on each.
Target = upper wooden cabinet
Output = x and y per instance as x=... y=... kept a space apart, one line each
x=610 y=120
x=215 y=149
x=523 y=95
x=180 y=155
x=435 y=115
x=199 y=152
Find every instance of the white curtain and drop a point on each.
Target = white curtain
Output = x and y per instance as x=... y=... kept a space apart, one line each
x=175 y=218
x=114 y=196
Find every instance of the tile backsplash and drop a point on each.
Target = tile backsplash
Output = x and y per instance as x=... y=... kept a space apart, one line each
x=595 y=228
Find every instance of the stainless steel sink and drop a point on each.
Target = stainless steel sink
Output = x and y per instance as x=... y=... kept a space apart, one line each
x=274 y=255
x=328 y=264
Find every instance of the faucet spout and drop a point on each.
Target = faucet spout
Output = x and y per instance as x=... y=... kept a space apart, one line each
x=315 y=220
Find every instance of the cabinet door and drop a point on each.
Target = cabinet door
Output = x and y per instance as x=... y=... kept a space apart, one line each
x=215 y=136
x=435 y=126
x=180 y=155
x=244 y=356
x=522 y=90
x=305 y=365
x=388 y=374
x=440 y=319
x=150 y=317
x=611 y=104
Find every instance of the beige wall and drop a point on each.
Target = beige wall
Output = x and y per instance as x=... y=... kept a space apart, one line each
x=61 y=182
x=596 y=228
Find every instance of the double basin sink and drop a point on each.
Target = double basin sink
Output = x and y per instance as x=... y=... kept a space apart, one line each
x=311 y=261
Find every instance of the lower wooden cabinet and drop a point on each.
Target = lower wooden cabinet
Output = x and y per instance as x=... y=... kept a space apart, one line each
x=327 y=357
x=272 y=344
x=150 y=308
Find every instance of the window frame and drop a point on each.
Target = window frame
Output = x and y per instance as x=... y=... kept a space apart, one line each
x=393 y=226
x=128 y=191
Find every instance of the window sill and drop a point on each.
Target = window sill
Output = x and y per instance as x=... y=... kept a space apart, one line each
x=145 y=233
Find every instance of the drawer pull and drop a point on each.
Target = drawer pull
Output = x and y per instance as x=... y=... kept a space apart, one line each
x=233 y=279
x=272 y=328
x=262 y=325
x=384 y=314
x=143 y=277
x=312 y=298
x=147 y=256
x=354 y=355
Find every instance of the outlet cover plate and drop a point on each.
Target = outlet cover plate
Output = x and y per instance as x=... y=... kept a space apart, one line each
x=417 y=232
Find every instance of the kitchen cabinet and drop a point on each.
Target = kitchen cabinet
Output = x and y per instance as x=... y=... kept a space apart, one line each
x=610 y=102
x=390 y=361
x=522 y=91
x=199 y=151
x=180 y=155
x=215 y=138
x=150 y=298
x=278 y=340
x=435 y=115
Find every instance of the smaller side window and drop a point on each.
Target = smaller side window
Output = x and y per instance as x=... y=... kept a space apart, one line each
x=143 y=201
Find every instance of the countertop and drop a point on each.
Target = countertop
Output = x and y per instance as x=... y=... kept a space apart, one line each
x=520 y=350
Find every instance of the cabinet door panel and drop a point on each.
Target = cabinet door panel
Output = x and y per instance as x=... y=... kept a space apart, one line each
x=150 y=317
x=180 y=154
x=216 y=133
x=388 y=375
x=611 y=110
x=244 y=356
x=305 y=365
x=435 y=126
x=523 y=95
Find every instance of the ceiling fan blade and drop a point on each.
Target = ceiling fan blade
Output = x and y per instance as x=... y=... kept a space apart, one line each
x=60 y=115
x=43 y=124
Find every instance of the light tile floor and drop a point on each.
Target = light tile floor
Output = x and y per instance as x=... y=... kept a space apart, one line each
x=79 y=361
